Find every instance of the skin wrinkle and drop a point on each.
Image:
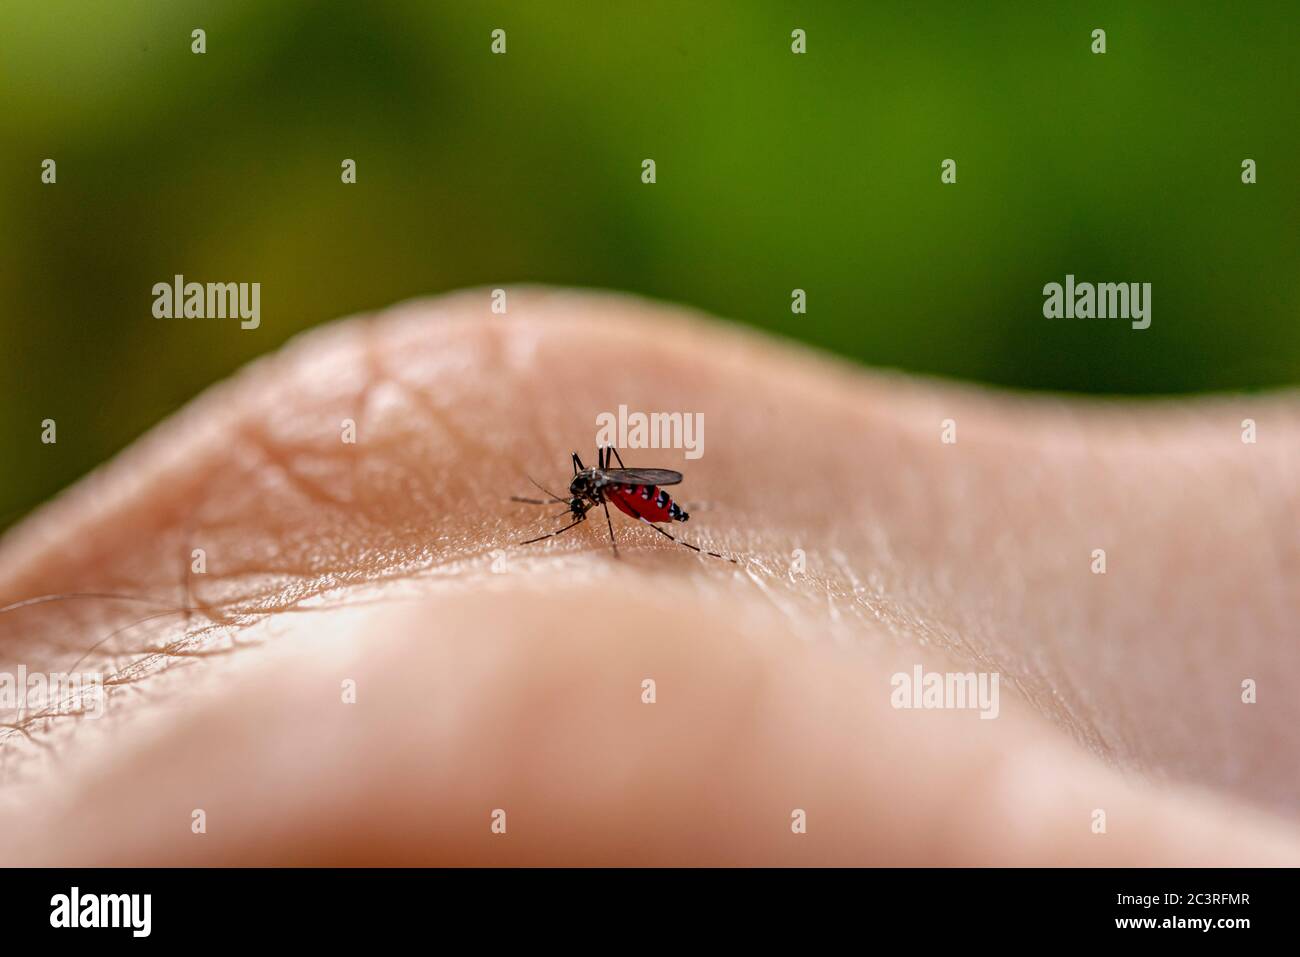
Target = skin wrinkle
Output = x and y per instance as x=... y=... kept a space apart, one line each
x=282 y=462
x=883 y=502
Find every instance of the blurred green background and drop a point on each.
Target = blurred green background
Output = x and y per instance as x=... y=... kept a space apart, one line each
x=775 y=171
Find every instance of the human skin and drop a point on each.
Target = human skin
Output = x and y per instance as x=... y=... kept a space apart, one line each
x=490 y=675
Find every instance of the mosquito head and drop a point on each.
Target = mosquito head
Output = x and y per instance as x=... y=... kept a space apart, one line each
x=582 y=486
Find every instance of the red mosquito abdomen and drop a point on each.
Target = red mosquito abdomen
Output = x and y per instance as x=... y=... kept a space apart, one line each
x=645 y=501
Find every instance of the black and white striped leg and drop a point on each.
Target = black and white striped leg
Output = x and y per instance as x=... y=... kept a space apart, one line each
x=577 y=521
x=695 y=548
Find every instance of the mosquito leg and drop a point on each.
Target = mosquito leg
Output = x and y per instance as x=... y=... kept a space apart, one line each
x=616 y=455
x=577 y=521
x=613 y=544
x=696 y=548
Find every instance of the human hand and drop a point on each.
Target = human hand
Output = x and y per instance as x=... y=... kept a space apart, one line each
x=520 y=688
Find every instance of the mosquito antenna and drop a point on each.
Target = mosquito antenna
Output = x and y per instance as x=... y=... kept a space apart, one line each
x=553 y=496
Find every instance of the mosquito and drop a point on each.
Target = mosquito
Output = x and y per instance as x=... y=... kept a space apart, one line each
x=638 y=493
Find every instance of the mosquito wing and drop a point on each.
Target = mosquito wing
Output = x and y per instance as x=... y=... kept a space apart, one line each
x=640 y=477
